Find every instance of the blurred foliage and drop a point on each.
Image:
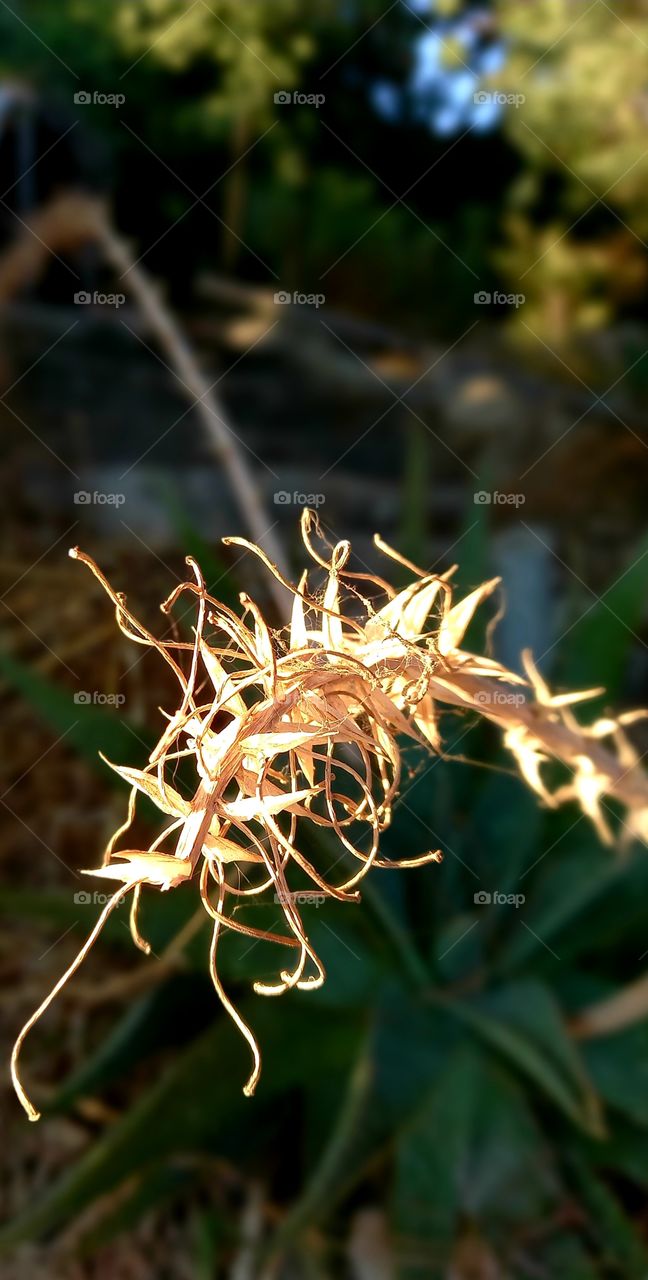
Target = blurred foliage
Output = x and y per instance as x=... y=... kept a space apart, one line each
x=547 y=200
x=583 y=74
x=578 y=222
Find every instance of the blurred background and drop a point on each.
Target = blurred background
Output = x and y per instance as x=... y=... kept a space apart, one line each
x=389 y=261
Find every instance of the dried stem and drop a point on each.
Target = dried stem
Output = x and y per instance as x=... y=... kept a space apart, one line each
x=206 y=401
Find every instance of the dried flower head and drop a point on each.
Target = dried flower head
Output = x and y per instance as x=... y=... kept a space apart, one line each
x=286 y=728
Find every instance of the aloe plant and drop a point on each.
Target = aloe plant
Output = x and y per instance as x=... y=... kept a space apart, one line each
x=449 y=1047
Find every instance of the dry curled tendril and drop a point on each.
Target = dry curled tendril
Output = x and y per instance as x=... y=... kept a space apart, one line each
x=303 y=726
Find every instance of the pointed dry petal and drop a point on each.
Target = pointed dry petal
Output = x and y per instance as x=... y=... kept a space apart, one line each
x=249 y=807
x=455 y=624
x=222 y=681
x=285 y=738
x=155 y=868
x=298 y=632
x=332 y=626
x=167 y=800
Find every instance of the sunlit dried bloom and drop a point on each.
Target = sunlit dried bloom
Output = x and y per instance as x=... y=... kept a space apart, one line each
x=302 y=725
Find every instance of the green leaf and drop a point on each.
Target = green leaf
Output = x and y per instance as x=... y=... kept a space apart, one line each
x=618 y=1067
x=522 y=1022
x=155 y=1188
x=472 y=1152
x=460 y=946
x=168 y=1016
x=473 y=549
x=624 y=1152
x=211 y=1229
x=162 y=914
x=57 y=909
x=618 y=1242
x=582 y=901
x=507 y=824
x=87 y=727
x=561 y=891
x=596 y=649
x=408 y=1047
x=429 y=1158
x=332 y=1166
x=355 y=962
x=198 y=1105
x=346 y=941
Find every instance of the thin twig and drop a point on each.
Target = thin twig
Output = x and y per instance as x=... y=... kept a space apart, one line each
x=208 y=405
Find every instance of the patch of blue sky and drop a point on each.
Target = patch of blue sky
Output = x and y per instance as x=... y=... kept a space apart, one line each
x=442 y=96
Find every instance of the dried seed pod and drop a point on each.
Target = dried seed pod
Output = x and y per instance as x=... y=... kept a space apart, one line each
x=287 y=730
